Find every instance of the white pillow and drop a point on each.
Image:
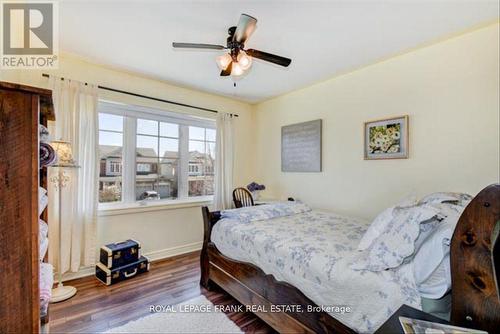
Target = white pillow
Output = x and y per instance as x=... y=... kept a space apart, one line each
x=441 y=197
x=438 y=283
x=265 y=212
x=431 y=263
x=380 y=223
x=397 y=240
x=431 y=252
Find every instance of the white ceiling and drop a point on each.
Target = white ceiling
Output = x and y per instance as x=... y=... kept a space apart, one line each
x=323 y=38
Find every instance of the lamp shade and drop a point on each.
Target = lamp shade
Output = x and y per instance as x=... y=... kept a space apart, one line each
x=223 y=61
x=244 y=60
x=64 y=152
x=237 y=70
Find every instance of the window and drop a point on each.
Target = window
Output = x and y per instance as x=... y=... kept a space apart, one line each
x=110 y=157
x=146 y=154
x=116 y=167
x=144 y=168
x=157 y=155
x=201 y=161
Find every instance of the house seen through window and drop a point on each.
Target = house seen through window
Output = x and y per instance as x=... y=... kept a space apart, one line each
x=110 y=157
x=152 y=156
x=201 y=161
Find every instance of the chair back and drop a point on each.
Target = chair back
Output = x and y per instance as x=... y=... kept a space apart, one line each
x=242 y=197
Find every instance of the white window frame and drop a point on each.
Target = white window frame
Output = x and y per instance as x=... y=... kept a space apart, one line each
x=130 y=115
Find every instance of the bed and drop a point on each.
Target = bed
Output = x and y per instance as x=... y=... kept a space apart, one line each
x=301 y=263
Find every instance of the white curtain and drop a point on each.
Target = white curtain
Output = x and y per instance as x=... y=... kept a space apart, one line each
x=224 y=162
x=76 y=122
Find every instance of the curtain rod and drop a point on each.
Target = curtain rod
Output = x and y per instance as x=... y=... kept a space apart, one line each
x=150 y=97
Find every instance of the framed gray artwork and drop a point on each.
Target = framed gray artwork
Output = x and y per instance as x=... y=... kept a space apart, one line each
x=301 y=147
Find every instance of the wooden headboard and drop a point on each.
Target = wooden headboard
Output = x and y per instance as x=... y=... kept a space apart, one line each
x=475 y=299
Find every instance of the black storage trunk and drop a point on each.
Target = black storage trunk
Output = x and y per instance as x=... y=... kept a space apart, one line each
x=119 y=254
x=115 y=275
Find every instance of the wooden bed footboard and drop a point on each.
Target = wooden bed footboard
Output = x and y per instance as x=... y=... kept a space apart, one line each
x=475 y=300
x=209 y=220
x=474 y=296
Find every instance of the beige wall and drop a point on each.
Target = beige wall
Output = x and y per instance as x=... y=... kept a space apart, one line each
x=450 y=91
x=168 y=231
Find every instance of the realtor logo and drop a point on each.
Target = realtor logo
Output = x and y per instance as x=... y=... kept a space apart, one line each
x=29 y=34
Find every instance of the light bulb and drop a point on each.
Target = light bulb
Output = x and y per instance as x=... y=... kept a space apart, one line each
x=236 y=70
x=223 y=61
x=244 y=60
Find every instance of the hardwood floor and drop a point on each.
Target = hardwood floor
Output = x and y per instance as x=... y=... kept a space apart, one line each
x=97 y=307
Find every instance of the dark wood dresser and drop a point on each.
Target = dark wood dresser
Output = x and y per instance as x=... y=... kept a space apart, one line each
x=21 y=108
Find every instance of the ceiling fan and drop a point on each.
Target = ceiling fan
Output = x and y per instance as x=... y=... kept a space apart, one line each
x=238 y=59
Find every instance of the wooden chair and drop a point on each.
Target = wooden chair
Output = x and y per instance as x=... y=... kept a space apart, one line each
x=242 y=197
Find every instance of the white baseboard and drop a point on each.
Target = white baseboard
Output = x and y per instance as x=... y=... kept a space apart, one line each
x=85 y=271
x=153 y=256
x=173 y=251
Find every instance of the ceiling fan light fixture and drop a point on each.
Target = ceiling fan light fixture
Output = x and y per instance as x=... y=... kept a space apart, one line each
x=244 y=60
x=237 y=61
x=223 y=61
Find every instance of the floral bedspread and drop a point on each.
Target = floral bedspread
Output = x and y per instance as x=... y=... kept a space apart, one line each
x=314 y=251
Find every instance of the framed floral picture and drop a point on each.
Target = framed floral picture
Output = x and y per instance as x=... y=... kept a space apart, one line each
x=387 y=139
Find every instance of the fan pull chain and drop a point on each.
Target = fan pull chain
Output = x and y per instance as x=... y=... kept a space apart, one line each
x=235 y=89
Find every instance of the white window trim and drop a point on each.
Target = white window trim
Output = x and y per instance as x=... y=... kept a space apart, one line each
x=120 y=208
x=183 y=183
x=128 y=170
x=129 y=204
x=155 y=114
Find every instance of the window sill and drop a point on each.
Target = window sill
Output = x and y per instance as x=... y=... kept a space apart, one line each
x=139 y=207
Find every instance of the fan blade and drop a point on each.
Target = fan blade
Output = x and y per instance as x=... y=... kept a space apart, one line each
x=245 y=28
x=226 y=72
x=269 y=57
x=198 y=46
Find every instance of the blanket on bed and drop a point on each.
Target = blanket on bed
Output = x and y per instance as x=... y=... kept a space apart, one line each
x=313 y=251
